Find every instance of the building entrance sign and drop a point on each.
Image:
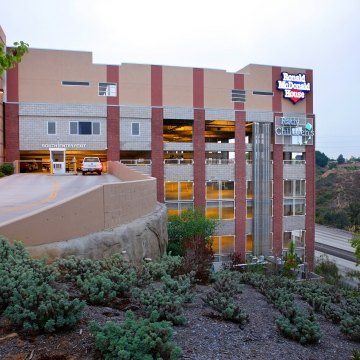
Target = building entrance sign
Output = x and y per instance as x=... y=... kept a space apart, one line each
x=294 y=86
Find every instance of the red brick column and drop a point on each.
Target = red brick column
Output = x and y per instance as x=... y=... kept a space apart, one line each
x=278 y=171
x=240 y=184
x=11 y=122
x=113 y=116
x=278 y=198
x=199 y=138
x=199 y=158
x=157 y=129
x=310 y=204
x=12 y=144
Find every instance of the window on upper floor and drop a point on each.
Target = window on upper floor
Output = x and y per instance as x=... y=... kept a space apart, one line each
x=135 y=129
x=294 y=188
x=84 y=128
x=51 y=128
x=107 y=89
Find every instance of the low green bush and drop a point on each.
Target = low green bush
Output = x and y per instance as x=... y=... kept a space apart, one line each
x=137 y=339
x=28 y=297
x=226 y=307
x=6 y=169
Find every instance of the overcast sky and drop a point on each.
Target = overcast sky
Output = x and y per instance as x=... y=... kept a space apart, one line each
x=323 y=35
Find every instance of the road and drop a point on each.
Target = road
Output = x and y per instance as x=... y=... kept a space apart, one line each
x=21 y=194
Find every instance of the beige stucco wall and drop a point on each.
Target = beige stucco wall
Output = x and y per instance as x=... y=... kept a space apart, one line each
x=103 y=207
x=42 y=71
x=135 y=84
x=177 y=86
x=258 y=77
x=217 y=89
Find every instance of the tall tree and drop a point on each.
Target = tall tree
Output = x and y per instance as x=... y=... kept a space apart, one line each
x=340 y=160
x=321 y=159
x=8 y=59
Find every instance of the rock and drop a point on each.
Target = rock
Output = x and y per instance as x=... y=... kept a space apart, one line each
x=143 y=238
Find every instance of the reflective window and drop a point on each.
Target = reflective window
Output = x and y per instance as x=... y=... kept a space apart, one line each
x=223 y=245
x=249 y=246
x=51 y=128
x=249 y=209
x=297 y=236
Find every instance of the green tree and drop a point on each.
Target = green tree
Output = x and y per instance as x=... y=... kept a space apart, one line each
x=188 y=227
x=321 y=159
x=8 y=59
x=190 y=237
x=340 y=160
x=355 y=243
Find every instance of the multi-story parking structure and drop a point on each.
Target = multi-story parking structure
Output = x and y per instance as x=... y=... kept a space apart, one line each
x=238 y=145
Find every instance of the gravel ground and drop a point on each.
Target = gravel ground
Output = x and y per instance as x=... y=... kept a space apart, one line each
x=202 y=337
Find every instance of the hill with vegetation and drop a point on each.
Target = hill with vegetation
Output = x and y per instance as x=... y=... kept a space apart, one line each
x=338 y=194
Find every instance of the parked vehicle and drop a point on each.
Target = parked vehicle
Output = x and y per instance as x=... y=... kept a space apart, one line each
x=90 y=165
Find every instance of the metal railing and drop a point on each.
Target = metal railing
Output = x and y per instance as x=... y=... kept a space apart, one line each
x=136 y=162
x=294 y=162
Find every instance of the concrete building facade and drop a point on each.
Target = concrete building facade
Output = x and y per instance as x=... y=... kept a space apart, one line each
x=238 y=145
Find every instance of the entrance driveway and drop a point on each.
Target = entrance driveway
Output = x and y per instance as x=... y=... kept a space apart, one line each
x=21 y=194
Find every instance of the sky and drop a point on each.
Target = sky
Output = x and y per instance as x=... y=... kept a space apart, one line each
x=323 y=35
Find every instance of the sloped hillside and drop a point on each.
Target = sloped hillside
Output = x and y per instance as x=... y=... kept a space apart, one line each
x=338 y=198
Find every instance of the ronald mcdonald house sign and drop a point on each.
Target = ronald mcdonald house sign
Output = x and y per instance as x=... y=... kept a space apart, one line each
x=294 y=86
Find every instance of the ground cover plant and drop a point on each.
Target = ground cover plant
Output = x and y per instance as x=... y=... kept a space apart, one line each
x=169 y=310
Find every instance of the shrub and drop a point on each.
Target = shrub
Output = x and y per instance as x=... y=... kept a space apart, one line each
x=328 y=270
x=98 y=280
x=167 y=265
x=166 y=298
x=138 y=339
x=1 y=174
x=300 y=328
x=350 y=326
x=6 y=169
x=226 y=306
x=27 y=296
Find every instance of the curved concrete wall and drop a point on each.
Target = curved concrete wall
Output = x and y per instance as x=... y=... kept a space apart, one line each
x=104 y=207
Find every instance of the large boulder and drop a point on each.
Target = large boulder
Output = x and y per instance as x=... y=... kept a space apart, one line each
x=145 y=237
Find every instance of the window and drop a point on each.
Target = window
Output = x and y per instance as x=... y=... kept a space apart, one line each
x=220 y=190
x=84 y=128
x=294 y=188
x=107 y=89
x=297 y=236
x=74 y=83
x=135 y=129
x=294 y=207
x=178 y=196
x=223 y=246
x=249 y=209
x=51 y=128
x=249 y=246
x=221 y=194
x=263 y=93
x=238 y=95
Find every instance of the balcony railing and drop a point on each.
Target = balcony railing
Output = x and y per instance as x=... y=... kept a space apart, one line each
x=179 y=161
x=136 y=162
x=294 y=162
x=219 y=161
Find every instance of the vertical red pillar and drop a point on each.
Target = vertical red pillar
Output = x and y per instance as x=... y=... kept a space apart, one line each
x=278 y=172
x=240 y=171
x=113 y=116
x=11 y=123
x=199 y=138
x=310 y=182
x=157 y=125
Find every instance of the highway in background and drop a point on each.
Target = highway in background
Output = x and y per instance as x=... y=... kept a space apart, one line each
x=22 y=194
